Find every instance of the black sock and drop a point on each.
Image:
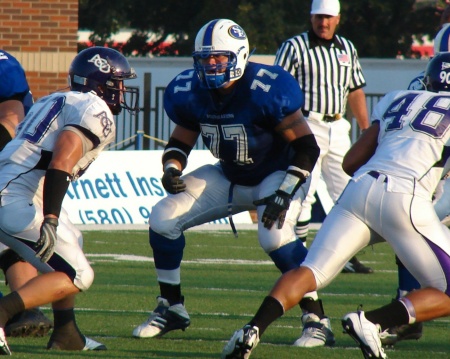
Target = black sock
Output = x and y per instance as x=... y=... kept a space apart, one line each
x=66 y=335
x=10 y=305
x=389 y=316
x=310 y=305
x=270 y=310
x=171 y=292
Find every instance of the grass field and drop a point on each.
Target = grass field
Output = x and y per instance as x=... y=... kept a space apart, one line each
x=224 y=281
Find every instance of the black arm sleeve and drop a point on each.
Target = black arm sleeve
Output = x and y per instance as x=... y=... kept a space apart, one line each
x=56 y=184
x=306 y=152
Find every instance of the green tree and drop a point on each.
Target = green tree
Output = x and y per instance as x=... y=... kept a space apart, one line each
x=378 y=28
x=384 y=28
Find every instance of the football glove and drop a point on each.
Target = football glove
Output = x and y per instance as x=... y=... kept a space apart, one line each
x=276 y=207
x=45 y=246
x=172 y=182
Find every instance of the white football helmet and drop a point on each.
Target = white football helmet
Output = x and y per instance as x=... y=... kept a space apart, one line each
x=220 y=37
x=442 y=40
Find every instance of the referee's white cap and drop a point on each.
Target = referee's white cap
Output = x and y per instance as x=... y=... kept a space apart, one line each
x=326 y=7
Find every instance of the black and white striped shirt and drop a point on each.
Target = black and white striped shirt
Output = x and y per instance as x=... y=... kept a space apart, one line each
x=326 y=70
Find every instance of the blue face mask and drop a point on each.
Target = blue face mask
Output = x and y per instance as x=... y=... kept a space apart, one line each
x=212 y=76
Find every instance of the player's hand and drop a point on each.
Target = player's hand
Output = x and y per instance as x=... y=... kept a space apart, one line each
x=172 y=182
x=45 y=246
x=276 y=208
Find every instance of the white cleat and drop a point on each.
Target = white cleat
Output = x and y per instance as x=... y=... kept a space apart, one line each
x=91 y=344
x=241 y=343
x=365 y=333
x=163 y=319
x=4 y=348
x=316 y=332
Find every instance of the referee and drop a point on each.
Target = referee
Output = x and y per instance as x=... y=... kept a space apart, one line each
x=327 y=69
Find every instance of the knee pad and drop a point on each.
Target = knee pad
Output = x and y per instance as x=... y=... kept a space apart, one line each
x=9 y=258
x=162 y=220
x=289 y=256
x=84 y=279
x=167 y=253
x=81 y=273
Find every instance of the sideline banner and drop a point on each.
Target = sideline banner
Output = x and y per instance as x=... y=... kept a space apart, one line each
x=121 y=187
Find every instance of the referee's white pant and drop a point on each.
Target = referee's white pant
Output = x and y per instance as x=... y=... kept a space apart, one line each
x=334 y=141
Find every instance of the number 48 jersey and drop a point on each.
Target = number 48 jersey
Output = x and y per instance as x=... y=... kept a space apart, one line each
x=238 y=128
x=414 y=137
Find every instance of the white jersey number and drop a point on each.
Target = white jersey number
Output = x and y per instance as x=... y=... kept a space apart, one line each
x=431 y=118
x=38 y=123
x=230 y=133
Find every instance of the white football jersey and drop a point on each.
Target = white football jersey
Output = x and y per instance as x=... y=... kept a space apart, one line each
x=414 y=133
x=24 y=160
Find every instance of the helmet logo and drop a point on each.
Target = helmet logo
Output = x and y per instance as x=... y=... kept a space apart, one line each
x=102 y=64
x=237 y=32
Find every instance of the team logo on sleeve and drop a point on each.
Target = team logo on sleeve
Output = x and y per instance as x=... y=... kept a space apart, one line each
x=105 y=122
x=102 y=64
x=237 y=32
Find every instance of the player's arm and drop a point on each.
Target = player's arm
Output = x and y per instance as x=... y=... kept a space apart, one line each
x=175 y=156
x=68 y=150
x=362 y=150
x=357 y=102
x=11 y=114
x=295 y=130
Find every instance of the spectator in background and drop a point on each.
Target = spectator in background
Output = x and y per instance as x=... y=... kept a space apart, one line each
x=15 y=101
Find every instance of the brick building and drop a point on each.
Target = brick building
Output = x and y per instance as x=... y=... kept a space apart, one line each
x=42 y=35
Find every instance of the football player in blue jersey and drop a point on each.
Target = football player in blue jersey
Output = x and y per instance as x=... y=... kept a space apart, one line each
x=249 y=116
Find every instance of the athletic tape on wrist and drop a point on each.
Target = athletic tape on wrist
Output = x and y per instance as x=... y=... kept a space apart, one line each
x=290 y=183
x=170 y=165
x=294 y=178
x=176 y=150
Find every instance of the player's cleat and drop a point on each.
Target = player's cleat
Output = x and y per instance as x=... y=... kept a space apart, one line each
x=355 y=266
x=29 y=323
x=163 y=319
x=89 y=344
x=4 y=348
x=316 y=332
x=241 y=343
x=365 y=333
x=391 y=336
